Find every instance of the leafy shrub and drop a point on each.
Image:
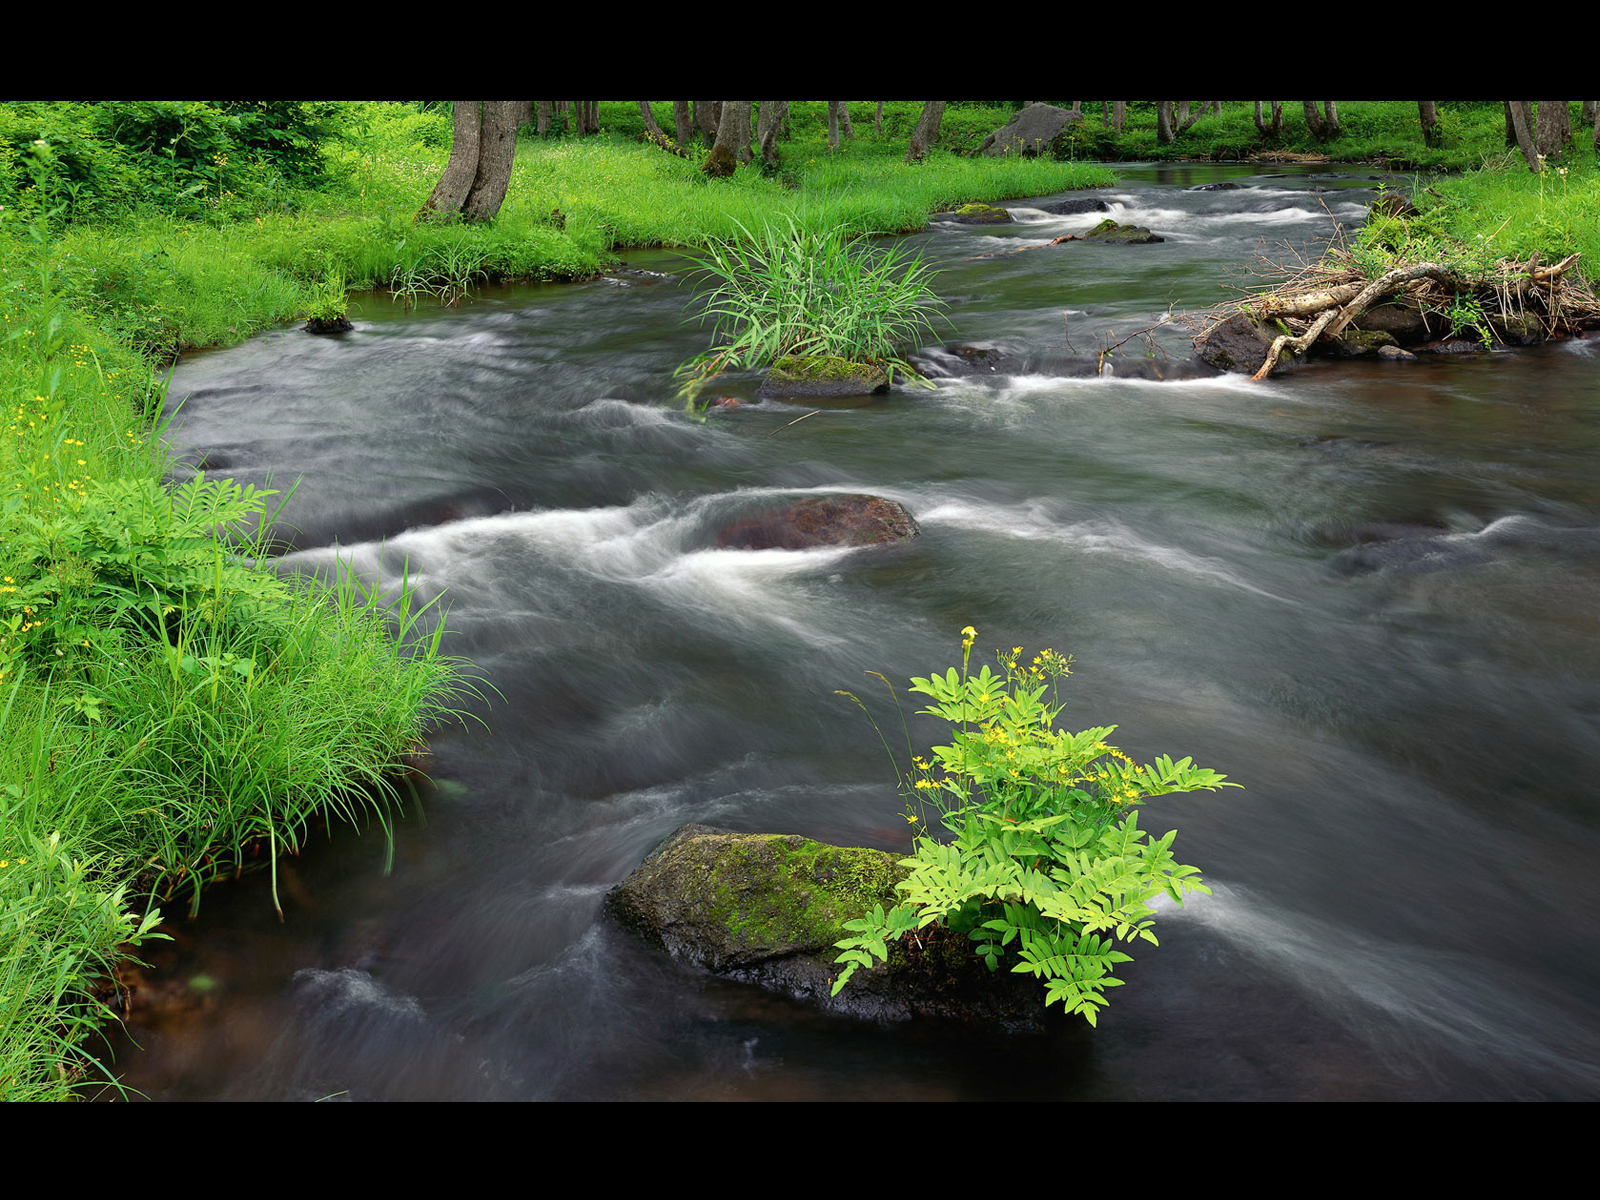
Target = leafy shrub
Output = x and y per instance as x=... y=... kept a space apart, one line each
x=1047 y=857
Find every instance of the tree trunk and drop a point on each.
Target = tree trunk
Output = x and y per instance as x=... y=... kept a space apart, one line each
x=845 y=128
x=683 y=121
x=1164 y=122
x=1428 y=114
x=767 y=132
x=926 y=131
x=1552 y=129
x=1119 y=114
x=545 y=110
x=451 y=191
x=650 y=120
x=1322 y=126
x=1275 y=129
x=497 y=149
x=1511 y=128
x=1520 y=114
x=733 y=139
x=877 y=121
x=705 y=120
x=833 y=124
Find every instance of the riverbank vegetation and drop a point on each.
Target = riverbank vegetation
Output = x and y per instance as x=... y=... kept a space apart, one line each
x=168 y=713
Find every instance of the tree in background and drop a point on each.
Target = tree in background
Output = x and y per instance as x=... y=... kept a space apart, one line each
x=927 y=129
x=482 y=149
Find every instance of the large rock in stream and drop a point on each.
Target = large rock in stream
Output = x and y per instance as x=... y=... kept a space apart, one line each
x=767 y=909
x=845 y=519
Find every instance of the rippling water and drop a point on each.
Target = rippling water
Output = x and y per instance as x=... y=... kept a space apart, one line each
x=1366 y=591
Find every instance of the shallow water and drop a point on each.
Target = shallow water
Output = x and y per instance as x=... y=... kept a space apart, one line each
x=1403 y=904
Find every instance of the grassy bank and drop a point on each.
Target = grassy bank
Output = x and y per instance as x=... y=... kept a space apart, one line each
x=168 y=714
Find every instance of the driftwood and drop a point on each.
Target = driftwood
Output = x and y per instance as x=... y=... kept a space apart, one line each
x=1315 y=302
x=1334 y=317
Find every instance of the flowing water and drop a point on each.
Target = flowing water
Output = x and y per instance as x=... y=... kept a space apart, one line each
x=1366 y=591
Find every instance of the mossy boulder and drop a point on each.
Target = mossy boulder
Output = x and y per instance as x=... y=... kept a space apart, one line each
x=1038 y=130
x=1121 y=235
x=821 y=377
x=767 y=909
x=981 y=214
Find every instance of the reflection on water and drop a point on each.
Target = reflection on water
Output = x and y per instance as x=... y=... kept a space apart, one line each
x=1365 y=591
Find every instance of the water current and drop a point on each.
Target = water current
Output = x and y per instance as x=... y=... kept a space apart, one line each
x=1367 y=591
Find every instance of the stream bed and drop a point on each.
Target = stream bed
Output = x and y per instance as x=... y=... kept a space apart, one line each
x=1369 y=592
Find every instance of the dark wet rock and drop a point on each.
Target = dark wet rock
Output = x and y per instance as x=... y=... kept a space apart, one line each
x=988 y=359
x=1519 y=329
x=332 y=325
x=1215 y=187
x=1356 y=343
x=1449 y=346
x=1039 y=129
x=837 y=520
x=1413 y=555
x=1237 y=344
x=981 y=214
x=817 y=376
x=1068 y=208
x=767 y=909
x=1132 y=366
x=1406 y=323
x=1124 y=235
x=960 y=359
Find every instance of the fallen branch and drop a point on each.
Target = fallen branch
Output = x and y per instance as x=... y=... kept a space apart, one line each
x=1334 y=319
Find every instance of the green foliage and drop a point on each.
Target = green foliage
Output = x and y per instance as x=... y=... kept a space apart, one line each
x=1047 y=859
x=785 y=291
x=59 y=924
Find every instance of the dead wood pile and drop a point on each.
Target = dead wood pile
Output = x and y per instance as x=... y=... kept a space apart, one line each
x=1314 y=303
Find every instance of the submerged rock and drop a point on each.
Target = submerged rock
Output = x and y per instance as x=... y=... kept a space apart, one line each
x=821 y=377
x=767 y=909
x=839 y=520
x=1067 y=208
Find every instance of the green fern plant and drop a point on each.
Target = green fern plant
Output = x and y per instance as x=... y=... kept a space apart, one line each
x=1047 y=861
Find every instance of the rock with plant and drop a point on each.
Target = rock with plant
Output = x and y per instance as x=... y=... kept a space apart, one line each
x=1030 y=842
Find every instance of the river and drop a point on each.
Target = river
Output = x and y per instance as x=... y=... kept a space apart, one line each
x=1367 y=591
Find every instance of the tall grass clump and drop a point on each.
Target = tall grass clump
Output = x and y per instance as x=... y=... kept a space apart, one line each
x=782 y=290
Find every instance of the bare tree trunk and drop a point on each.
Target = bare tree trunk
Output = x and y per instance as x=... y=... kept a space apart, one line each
x=1164 y=122
x=650 y=119
x=833 y=124
x=1186 y=120
x=545 y=109
x=524 y=113
x=877 y=121
x=451 y=191
x=1428 y=114
x=927 y=129
x=1552 y=128
x=767 y=132
x=1322 y=126
x=733 y=139
x=497 y=149
x=682 y=121
x=1511 y=128
x=1077 y=109
x=1275 y=129
x=1119 y=114
x=783 y=119
x=1520 y=114
x=845 y=128
x=705 y=120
